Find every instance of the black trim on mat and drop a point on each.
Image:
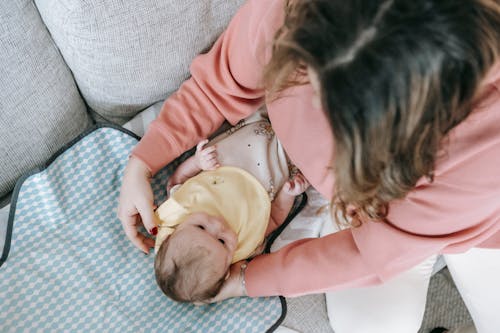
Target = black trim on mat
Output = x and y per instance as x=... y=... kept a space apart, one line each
x=20 y=181
x=299 y=203
x=284 y=310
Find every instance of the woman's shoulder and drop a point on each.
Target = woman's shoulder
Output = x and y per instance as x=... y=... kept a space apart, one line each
x=265 y=12
x=262 y=19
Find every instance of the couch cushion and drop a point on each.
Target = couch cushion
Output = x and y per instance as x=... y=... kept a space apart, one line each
x=40 y=107
x=127 y=55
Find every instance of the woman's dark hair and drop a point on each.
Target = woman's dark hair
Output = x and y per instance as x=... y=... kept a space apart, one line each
x=395 y=75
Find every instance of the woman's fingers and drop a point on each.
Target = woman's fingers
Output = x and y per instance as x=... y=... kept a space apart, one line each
x=233 y=286
x=129 y=224
x=136 y=204
x=148 y=217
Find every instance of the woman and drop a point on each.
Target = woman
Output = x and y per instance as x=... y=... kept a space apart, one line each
x=391 y=109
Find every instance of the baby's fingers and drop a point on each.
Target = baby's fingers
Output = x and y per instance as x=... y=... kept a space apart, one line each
x=212 y=164
x=199 y=146
x=212 y=150
x=288 y=186
x=208 y=161
x=215 y=166
x=297 y=185
x=299 y=181
x=170 y=184
x=305 y=183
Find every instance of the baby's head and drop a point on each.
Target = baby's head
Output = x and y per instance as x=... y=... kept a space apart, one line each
x=193 y=262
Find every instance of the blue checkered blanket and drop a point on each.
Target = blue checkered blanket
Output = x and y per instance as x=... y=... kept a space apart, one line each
x=70 y=267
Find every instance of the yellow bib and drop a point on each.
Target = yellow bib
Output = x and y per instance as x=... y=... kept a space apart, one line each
x=227 y=192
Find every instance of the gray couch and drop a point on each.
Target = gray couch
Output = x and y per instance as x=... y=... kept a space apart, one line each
x=66 y=64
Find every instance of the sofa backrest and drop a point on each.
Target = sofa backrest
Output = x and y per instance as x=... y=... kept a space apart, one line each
x=121 y=56
x=40 y=107
x=127 y=55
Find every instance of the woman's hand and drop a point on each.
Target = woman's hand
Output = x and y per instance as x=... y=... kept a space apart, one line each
x=234 y=285
x=135 y=206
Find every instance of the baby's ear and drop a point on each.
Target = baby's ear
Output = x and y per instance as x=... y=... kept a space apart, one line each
x=160 y=239
x=227 y=275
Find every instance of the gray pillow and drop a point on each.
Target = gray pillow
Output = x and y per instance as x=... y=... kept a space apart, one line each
x=40 y=107
x=127 y=55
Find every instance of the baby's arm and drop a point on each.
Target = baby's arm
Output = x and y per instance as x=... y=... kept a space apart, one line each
x=203 y=159
x=282 y=204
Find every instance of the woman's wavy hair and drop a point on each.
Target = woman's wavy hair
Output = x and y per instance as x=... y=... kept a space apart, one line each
x=395 y=75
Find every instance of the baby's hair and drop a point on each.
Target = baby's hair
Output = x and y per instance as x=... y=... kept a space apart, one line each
x=182 y=278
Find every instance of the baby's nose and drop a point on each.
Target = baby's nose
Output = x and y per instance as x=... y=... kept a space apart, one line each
x=217 y=228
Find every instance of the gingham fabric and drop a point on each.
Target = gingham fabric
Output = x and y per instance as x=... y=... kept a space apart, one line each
x=71 y=268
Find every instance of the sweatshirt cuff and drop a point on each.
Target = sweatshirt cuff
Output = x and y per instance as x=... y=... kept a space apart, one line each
x=155 y=150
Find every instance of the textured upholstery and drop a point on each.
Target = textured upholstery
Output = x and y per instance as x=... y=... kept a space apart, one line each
x=40 y=107
x=127 y=55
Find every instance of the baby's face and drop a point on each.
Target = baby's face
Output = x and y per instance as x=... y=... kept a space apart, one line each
x=212 y=233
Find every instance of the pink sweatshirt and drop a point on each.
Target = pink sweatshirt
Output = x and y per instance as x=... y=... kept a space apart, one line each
x=459 y=210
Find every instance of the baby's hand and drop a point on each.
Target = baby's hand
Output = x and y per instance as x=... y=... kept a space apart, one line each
x=206 y=158
x=296 y=186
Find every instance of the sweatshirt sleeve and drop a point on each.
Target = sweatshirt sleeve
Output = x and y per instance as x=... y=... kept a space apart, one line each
x=225 y=83
x=457 y=211
x=424 y=224
x=311 y=265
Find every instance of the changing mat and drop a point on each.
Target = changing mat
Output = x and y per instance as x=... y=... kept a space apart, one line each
x=67 y=265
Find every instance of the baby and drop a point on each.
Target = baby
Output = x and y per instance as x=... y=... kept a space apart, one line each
x=221 y=214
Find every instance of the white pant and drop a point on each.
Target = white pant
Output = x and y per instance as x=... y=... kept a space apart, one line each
x=398 y=305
